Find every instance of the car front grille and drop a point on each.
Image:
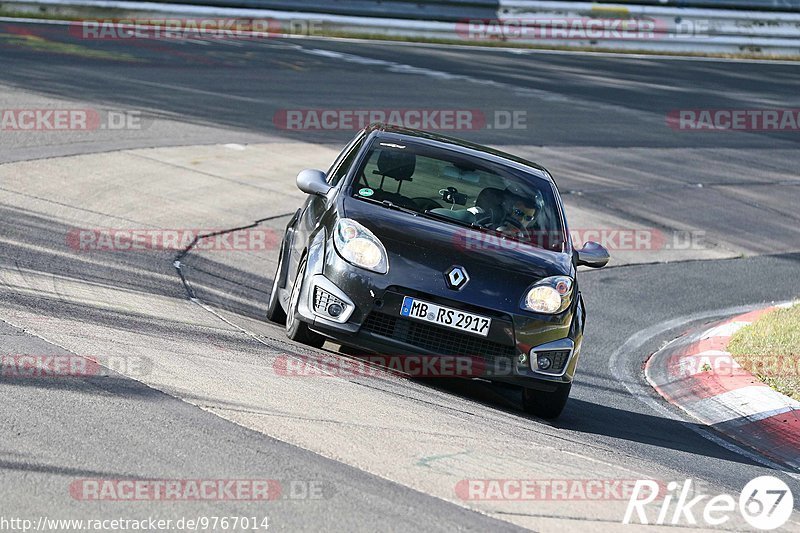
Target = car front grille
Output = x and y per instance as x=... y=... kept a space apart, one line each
x=434 y=339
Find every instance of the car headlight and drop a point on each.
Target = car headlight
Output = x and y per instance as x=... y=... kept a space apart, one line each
x=549 y=296
x=357 y=245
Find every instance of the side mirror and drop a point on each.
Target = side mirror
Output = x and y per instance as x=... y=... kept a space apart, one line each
x=312 y=181
x=593 y=255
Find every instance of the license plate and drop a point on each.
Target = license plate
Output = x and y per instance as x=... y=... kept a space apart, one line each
x=445 y=316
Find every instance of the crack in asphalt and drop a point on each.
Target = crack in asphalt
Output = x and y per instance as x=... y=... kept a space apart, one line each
x=183 y=253
x=222 y=278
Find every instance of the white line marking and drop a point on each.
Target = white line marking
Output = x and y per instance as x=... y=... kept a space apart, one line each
x=724 y=330
x=402 y=68
x=754 y=403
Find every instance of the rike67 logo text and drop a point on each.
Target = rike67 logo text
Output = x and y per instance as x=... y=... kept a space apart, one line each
x=765 y=503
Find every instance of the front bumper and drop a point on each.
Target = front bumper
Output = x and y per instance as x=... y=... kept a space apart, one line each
x=370 y=320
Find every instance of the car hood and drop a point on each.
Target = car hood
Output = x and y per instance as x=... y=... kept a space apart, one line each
x=424 y=243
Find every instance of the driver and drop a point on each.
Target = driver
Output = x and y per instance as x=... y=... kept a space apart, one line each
x=520 y=215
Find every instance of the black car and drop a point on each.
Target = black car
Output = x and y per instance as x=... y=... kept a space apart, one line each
x=420 y=244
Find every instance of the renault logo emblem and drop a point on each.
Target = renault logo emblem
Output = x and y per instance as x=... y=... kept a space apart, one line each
x=456 y=277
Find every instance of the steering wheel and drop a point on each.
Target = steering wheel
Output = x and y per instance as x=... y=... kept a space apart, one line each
x=483 y=219
x=521 y=232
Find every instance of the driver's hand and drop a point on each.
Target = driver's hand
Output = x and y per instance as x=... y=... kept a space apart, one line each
x=508 y=229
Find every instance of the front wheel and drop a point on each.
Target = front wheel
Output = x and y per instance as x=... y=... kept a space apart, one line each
x=297 y=330
x=546 y=404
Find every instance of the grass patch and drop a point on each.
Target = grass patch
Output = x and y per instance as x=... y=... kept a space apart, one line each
x=40 y=15
x=770 y=350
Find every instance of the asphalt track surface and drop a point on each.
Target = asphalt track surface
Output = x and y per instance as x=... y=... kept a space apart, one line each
x=598 y=122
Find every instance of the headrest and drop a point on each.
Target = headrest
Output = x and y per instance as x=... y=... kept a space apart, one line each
x=490 y=200
x=397 y=164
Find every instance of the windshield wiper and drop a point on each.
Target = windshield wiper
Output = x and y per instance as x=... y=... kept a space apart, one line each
x=464 y=223
x=389 y=204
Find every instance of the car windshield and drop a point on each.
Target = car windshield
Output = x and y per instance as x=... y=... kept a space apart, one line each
x=463 y=190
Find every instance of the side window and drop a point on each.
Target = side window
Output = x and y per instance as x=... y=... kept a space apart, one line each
x=345 y=160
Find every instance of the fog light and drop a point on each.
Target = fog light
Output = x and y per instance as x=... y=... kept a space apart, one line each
x=543 y=362
x=335 y=310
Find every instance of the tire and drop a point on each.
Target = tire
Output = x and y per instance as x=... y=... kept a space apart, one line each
x=275 y=312
x=546 y=404
x=297 y=330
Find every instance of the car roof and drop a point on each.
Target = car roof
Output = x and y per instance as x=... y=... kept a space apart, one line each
x=397 y=133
